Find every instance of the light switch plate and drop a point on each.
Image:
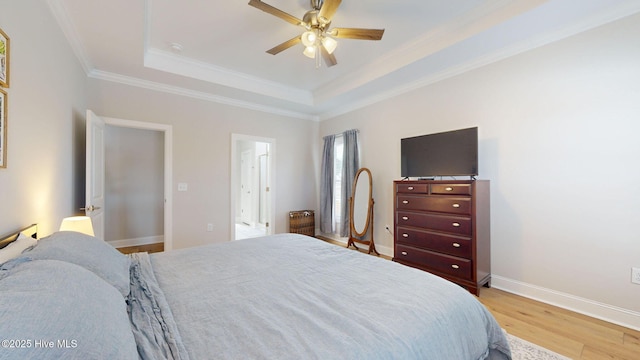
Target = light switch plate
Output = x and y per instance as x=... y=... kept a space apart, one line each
x=635 y=275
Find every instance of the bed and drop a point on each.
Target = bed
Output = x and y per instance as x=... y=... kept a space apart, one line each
x=285 y=296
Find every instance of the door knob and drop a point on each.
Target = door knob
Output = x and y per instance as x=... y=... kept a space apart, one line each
x=90 y=208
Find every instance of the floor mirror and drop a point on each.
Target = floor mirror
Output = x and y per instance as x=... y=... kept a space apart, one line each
x=361 y=211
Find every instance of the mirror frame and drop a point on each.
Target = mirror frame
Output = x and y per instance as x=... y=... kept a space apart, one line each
x=353 y=197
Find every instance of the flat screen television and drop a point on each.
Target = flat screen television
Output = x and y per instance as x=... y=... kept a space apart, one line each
x=451 y=153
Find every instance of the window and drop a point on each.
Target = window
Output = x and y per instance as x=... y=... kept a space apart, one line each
x=340 y=162
x=338 y=156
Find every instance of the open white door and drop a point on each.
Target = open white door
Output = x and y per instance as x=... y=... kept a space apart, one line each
x=265 y=193
x=94 y=188
x=246 y=182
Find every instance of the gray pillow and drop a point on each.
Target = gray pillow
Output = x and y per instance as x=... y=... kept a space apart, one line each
x=56 y=310
x=87 y=251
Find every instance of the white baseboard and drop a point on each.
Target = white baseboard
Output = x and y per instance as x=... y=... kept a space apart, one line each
x=137 y=241
x=598 y=310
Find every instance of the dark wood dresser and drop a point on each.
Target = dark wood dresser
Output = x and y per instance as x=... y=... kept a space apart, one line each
x=443 y=227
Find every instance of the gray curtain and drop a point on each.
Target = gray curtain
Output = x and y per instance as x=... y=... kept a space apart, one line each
x=326 y=186
x=350 y=166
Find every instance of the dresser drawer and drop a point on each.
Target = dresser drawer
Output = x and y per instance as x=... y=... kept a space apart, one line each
x=449 y=244
x=412 y=188
x=451 y=189
x=449 y=223
x=445 y=204
x=450 y=265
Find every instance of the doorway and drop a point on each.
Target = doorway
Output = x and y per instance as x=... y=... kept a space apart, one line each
x=134 y=186
x=252 y=185
x=136 y=203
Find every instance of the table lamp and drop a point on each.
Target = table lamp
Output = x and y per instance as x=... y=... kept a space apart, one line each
x=81 y=224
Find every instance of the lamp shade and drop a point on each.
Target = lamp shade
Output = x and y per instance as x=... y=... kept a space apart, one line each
x=310 y=52
x=329 y=44
x=81 y=224
x=308 y=38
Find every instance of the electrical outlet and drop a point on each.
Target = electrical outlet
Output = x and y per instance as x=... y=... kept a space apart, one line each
x=635 y=275
x=209 y=227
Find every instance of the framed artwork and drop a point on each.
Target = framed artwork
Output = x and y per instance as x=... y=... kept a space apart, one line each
x=3 y=129
x=4 y=59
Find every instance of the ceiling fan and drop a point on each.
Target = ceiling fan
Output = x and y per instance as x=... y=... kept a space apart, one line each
x=318 y=39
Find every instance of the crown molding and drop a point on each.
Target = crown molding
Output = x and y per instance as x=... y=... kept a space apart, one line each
x=483 y=17
x=175 y=90
x=180 y=65
x=627 y=9
x=408 y=54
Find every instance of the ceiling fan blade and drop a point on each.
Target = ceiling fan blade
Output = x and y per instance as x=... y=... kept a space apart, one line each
x=276 y=12
x=328 y=9
x=284 y=46
x=358 y=34
x=329 y=59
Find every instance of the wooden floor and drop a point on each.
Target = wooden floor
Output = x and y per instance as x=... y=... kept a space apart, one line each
x=151 y=248
x=565 y=332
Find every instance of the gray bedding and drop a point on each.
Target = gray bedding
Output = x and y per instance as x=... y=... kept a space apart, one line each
x=294 y=297
x=280 y=297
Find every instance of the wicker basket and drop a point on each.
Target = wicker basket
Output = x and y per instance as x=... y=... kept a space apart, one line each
x=302 y=222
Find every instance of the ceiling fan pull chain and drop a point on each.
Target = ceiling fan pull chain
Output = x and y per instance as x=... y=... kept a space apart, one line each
x=318 y=60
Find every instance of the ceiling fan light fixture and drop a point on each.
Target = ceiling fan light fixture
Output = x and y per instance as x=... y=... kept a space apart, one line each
x=329 y=44
x=309 y=38
x=318 y=38
x=310 y=52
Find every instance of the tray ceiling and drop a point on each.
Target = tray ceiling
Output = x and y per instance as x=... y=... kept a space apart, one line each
x=215 y=50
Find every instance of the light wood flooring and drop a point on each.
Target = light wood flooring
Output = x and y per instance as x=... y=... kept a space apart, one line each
x=568 y=333
x=150 y=248
x=565 y=332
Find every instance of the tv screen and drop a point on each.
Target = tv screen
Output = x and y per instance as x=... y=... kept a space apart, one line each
x=451 y=153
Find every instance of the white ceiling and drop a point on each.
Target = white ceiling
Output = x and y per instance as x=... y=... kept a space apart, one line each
x=223 y=56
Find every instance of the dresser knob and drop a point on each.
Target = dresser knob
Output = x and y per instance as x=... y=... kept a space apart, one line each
x=456 y=224
x=410 y=188
x=404 y=253
x=405 y=201
x=405 y=235
x=455 y=266
x=456 y=205
x=456 y=245
x=405 y=218
x=449 y=188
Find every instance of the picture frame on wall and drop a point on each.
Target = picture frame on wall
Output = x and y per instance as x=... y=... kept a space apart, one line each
x=4 y=59
x=3 y=129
